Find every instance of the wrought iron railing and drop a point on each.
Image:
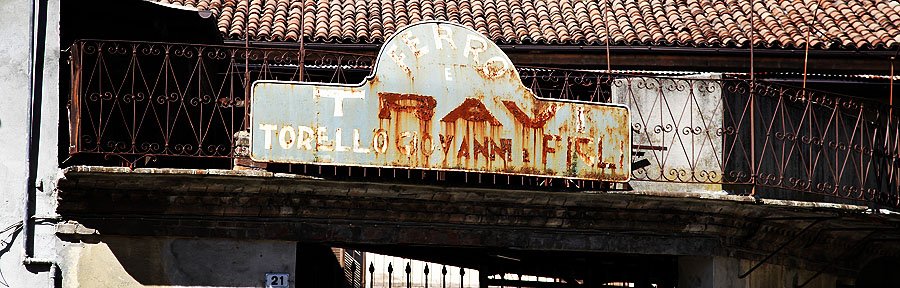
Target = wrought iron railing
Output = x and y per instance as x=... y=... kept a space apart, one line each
x=137 y=101
x=764 y=136
x=411 y=273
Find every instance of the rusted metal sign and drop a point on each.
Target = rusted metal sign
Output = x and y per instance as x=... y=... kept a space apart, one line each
x=442 y=97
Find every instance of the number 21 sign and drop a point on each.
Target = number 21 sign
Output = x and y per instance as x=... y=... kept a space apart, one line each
x=277 y=280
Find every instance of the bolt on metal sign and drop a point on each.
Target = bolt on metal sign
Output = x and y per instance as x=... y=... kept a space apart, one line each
x=441 y=97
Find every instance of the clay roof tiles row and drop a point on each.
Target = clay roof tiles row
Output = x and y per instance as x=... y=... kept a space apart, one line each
x=840 y=24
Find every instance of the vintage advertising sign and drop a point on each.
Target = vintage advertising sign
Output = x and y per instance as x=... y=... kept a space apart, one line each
x=441 y=97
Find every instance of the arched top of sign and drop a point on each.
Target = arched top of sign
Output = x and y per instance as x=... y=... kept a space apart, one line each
x=441 y=96
x=434 y=47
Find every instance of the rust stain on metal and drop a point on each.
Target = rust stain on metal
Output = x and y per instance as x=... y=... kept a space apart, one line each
x=472 y=110
x=538 y=121
x=489 y=121
x=422 y=105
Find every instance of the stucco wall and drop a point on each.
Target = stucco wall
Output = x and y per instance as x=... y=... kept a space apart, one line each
x=15 y=78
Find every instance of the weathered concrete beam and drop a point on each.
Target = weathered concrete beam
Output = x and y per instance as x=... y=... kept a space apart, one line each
x=261 y=205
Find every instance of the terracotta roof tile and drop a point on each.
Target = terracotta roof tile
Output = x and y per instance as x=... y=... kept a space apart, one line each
x=849 y=24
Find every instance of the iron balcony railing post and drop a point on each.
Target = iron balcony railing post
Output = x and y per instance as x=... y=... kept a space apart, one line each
x=754 y=170
x=371 y=274
x=75 y=69
x=426 y=275
x=444 y=276
x=390 y=270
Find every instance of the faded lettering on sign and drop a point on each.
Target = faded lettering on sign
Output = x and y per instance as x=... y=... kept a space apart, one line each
x=441 y=97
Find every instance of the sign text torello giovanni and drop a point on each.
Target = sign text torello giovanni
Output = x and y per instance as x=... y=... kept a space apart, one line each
x=441 y=97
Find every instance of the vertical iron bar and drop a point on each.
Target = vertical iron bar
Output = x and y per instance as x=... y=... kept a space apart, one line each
x=229 y=77
x=302 y=64
x=462 y=274
x=753 y=169
x=752 y=36
x=806 y=53
x=887 y=138
x=408 y=272
x=810 y=166
x=444 y=277
x=836 y=178
x=810 y=163
x=371 y=274
x=246 y=69
x=75 y=100
x=426 y=275
x=608 y=37
x=894 y=145
x=390 y=275
x=167 y=68
x=134 y=108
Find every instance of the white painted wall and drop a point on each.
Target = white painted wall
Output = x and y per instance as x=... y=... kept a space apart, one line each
x=664 y=110
x=15 y=78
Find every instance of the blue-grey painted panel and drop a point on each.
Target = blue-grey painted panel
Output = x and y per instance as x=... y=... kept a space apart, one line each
x=442 y=96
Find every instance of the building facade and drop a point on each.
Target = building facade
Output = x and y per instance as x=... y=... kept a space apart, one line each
x=762 y=146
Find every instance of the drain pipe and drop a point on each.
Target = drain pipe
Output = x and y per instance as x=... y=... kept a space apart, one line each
x=54 y=268
x=33 y=135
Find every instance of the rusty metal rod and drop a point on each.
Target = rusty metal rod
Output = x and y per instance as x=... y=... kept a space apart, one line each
x=302 y=64
x=608 y=37
x=246 y=69
x=753 y=168
x=806 y=52
x=810 y=165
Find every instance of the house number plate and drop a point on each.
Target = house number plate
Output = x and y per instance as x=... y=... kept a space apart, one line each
x=277 y=280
